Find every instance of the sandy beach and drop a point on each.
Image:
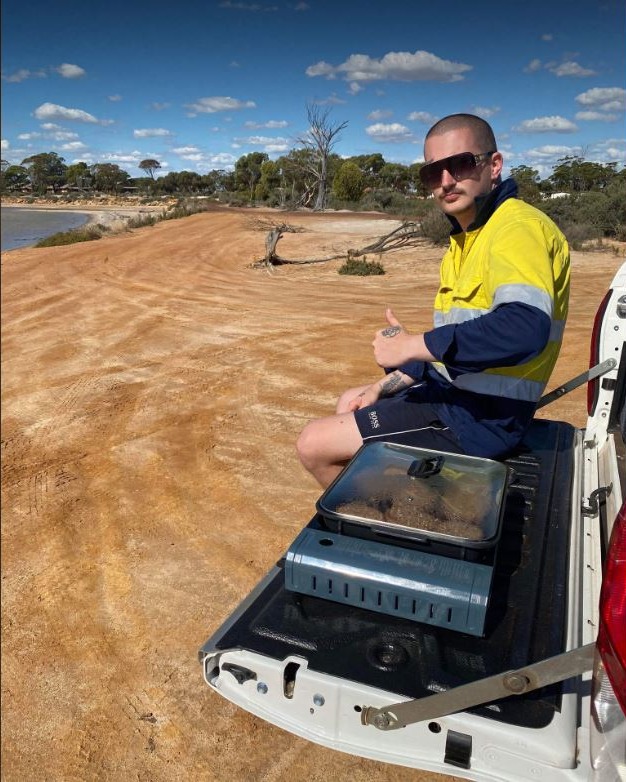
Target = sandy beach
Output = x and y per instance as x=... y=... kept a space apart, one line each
x=113 y=215
x=153 y=387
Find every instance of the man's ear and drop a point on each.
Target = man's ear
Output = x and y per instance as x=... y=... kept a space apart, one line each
x=497 y=161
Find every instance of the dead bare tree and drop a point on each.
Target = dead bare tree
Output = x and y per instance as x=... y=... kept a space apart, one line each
x=409 y=234
x=320 y=140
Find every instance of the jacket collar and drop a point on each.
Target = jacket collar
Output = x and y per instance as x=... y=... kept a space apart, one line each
x=486 y=205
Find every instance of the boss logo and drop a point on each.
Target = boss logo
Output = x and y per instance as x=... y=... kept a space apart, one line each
x=374 y=419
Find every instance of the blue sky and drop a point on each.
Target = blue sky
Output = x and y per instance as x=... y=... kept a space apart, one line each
x=196 y=85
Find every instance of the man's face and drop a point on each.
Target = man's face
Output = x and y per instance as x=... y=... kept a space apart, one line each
x=457 y=198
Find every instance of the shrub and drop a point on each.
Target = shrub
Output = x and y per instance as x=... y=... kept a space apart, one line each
x=361 y=267
x=435 y=226
x=349 y=182
x=84 y=234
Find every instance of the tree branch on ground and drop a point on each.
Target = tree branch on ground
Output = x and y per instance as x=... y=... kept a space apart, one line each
x=409 y=234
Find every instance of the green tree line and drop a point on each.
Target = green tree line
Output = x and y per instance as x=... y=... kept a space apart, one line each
x=595 y=204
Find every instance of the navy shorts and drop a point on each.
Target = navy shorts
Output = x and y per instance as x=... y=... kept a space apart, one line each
x=401 y=419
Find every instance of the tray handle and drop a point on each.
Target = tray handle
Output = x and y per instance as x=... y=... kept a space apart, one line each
x=425 y=468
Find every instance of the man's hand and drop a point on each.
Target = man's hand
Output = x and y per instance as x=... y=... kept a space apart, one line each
x=365 y=398
x=394 y=346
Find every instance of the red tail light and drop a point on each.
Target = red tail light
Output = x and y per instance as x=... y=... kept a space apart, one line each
x=612 y=634
x=593 y=386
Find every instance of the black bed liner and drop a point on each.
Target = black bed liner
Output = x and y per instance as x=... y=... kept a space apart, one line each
x=526 y=616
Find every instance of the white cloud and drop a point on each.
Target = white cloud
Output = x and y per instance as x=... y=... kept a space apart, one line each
x=551 y=151
x=271 y=124
x=596 y=115
x=393 y=132
x=611 y=149
x=379 y=114
x=485 y=111
x=51 y=131
x=132 y=158
x=56 y=132
x=5 y=145
x=422 y=116
x=547 y=37
x=604 y=98
x=151 y=132
x=570 y=68
x=73 y=146
x=553 y=124
x=185 y=150
x=195 y=157
x=49 y=111
x=354 y=88
x=115 y=98
x=159 y=106
x=269 y=144
x=22 y=74
x=332 y=100
x=533 y=66
x=69 y=71
x=321 y=68
x=394 y=66
x=301 y=6
x=221 y=159
x=219 y=103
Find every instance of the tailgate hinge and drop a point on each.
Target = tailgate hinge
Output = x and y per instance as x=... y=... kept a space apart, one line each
x=516 y=682
x=595 y=498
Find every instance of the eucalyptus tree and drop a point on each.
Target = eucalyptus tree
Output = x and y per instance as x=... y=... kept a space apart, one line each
x=13 y=178
x=370 y=165
x=108 y=177
x=248 y=171
x=45 y=170
x=79 y=175
x=395 y=176
x=149 y=166
x=527 y=179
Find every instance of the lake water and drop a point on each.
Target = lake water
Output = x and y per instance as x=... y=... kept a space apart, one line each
x=23 y=226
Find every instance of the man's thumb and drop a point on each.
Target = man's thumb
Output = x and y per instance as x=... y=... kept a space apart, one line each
x=391 y=318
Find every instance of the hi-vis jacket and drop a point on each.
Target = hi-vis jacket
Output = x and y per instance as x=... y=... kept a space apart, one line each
x=499 y=317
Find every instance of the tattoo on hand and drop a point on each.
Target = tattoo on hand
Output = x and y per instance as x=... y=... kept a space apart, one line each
x=391 y=331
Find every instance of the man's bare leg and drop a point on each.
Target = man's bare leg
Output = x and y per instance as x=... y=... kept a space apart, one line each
x=327 y=444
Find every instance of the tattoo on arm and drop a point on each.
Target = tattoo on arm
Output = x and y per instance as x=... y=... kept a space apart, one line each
x=393 y=383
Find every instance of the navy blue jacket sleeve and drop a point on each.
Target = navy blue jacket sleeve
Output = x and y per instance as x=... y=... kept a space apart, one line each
x=511 y=334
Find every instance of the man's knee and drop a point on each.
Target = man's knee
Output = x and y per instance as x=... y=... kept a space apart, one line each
x=307 y=444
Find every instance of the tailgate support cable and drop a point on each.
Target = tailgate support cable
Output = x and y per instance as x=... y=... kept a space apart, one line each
x=579 y=380
x=515 y=682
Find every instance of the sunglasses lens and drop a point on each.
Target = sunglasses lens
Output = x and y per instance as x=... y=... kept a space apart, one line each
x=430 y=175
x=458 y=166
x=461 y=166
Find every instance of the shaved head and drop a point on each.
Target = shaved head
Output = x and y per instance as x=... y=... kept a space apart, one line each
x=481 y=130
